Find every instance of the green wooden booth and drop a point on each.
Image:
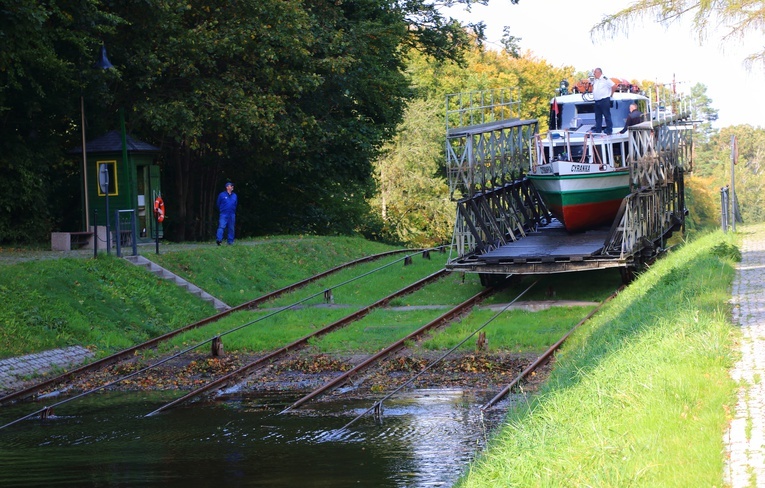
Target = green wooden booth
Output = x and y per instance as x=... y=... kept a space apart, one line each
x=134 y=183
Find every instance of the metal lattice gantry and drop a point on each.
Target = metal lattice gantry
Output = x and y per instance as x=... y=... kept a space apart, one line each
x=659 y=156
x=656 y=151
x=488 y=220
x=487 y=152
x=487 y=145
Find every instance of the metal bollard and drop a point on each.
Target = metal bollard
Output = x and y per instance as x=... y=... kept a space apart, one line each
x=217 y=347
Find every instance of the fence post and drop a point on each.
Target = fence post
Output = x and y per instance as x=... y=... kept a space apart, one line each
x=118 y=235
x=95 y=233
x=135 y=233
x=733 y=162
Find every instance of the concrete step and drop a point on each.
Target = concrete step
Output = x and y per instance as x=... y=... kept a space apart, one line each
x=168 y=275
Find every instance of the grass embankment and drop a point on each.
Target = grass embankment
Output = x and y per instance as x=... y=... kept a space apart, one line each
x=640 y=395
x=236 y=274
x=513 y=331
x=105 y=303
x=108 y=304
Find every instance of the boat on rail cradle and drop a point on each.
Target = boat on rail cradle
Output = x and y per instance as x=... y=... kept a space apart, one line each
x=582 y=176
x=509 y=183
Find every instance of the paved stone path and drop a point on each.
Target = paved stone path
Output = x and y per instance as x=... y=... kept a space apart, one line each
x=745 y=440
x=13 y=371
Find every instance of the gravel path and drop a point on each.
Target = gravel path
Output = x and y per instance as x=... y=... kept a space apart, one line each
x=745 y=439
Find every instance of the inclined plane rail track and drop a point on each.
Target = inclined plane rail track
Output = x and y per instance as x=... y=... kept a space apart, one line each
x=541 y=360
x=298 y=344
x=114 y=358
x=443 y=319
x=545 y=357
x=438 y=322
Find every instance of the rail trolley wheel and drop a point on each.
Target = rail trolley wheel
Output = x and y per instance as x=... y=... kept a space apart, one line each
x=628 y=275
x=489 y=280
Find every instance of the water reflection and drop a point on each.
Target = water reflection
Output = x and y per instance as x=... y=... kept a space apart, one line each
x=426 y=438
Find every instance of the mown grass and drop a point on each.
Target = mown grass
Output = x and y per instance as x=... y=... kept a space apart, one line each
x=639 y=395
x=106 y=304
x=250 y=269
x=518 y=331
x=258 y=331
x=364 y=283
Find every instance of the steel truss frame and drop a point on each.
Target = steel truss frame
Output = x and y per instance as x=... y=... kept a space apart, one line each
x=483 y=157
x=493 y=218
x=655 y=208
x=496 y=203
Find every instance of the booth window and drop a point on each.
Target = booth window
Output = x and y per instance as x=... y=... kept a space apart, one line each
x=113 y=186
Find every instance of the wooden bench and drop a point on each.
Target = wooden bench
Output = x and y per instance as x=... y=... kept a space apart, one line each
x=66 y=241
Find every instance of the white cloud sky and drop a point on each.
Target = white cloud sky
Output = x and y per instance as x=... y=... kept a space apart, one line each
x=559 y=32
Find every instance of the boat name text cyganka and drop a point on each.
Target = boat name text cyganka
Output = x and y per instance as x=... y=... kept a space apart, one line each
x=580 y=168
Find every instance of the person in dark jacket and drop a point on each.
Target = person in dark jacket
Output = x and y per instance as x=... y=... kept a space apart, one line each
x=227 y=201
x=635 y=117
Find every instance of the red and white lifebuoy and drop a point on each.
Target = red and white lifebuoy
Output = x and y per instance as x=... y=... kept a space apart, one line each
x=159 y=209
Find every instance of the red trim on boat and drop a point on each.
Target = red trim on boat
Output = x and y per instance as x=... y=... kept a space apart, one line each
x=586 y=215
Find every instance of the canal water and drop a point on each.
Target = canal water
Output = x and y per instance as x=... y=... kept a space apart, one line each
x=425 y=438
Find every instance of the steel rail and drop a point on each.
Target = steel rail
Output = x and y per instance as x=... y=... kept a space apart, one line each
x=46 y=411
x=546 y=356
x=228 y=378
x=377 y=406
x=448 y=316
x=116 y=357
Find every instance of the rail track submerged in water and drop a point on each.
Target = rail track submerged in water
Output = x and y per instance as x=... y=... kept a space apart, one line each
x=243 y=371
x=152 y=343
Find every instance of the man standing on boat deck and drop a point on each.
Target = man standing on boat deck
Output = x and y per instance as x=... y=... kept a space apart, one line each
x=602 y=89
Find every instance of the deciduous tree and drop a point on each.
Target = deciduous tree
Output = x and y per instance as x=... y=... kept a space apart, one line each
x=741 y=18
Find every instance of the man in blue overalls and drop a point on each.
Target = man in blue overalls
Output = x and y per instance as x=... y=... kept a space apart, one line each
x=227 y=201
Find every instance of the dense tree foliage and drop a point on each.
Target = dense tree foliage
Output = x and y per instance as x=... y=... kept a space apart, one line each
x=412 y=200
x=323 y=113
x=291 y=99
x=713 y=163
x=47 y=48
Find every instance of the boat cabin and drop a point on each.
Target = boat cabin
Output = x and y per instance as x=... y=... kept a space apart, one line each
x=576 y=112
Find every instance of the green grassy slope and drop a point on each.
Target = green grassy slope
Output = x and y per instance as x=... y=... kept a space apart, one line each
x=639 y=395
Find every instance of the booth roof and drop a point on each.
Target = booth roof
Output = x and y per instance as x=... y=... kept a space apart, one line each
x=112 y=142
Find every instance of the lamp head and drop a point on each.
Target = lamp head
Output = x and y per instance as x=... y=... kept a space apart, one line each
x=103 y=62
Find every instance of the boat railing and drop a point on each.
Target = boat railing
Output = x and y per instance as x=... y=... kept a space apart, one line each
x=592 y=155
x=544 y=146
x=666 y=106
x=595 y=150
